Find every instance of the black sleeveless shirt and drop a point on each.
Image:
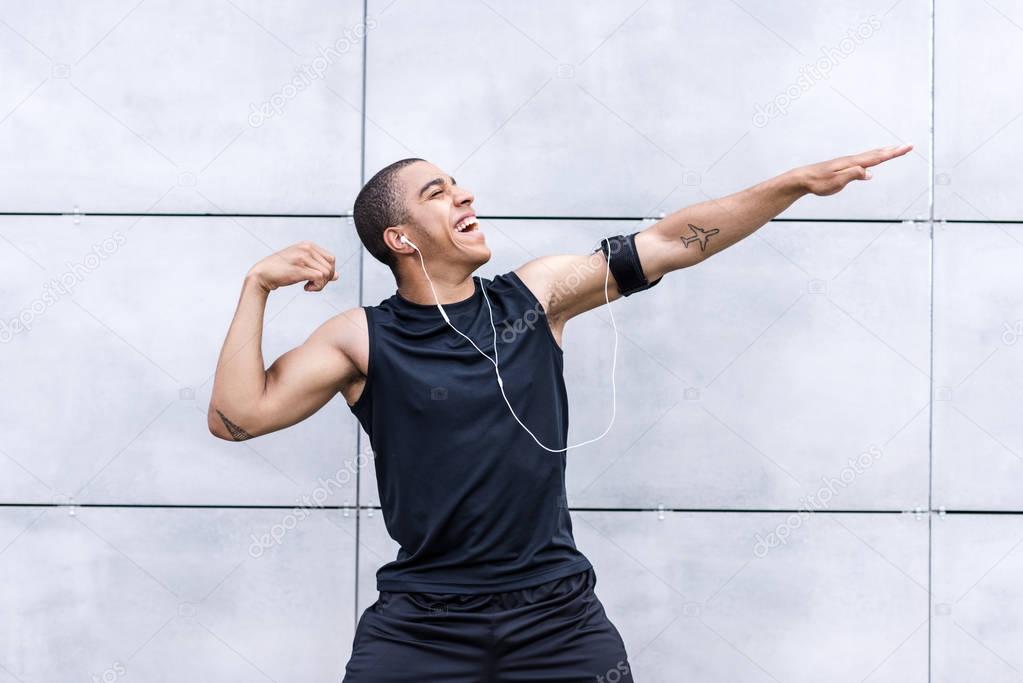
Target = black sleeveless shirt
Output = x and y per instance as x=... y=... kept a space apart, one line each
x=475 y=504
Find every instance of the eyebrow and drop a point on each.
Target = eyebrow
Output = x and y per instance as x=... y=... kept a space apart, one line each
x=435 y=181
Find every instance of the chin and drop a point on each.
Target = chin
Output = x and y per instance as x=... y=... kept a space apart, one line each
x=484 y=256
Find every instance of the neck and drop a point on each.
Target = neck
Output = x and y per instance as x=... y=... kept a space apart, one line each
x=450 y=288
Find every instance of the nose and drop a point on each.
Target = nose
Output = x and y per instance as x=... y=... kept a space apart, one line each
x=463 y=197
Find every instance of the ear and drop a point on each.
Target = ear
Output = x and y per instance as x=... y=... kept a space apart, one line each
x=392 y=238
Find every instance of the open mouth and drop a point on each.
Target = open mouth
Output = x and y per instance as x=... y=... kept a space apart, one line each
x=467 y=225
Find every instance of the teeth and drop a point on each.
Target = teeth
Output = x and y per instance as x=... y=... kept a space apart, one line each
x=464 y=224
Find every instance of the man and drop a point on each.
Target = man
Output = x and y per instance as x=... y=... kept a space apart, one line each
x=488 y=584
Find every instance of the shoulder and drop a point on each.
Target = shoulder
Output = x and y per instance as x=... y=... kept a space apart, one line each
x=519 y=283
x=348 y=333
x=346 y=325
x=553 y=278
x=538 y=274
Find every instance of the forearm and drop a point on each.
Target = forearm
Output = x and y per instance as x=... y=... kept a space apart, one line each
x=703 y=229
x=240 y=378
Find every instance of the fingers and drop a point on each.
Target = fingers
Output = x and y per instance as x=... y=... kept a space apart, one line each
x=852 y=173
x=316 y=276
x=318 y=261
x=869 y=158
x=317 y=264
x=319 y=251
x=832 y=176
x=880 y=155
x=837 y=181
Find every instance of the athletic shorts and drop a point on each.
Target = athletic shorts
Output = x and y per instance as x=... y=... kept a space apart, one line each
x=555 y=632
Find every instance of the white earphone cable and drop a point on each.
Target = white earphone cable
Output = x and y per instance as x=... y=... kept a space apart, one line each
x=496 y=360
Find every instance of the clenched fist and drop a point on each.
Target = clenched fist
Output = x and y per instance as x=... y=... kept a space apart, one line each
x=828 y=177
x=301 y=261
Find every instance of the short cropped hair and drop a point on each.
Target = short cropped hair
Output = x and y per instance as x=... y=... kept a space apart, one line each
x=379 y=205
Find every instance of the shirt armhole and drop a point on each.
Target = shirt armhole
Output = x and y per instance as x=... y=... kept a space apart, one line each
x=368 y=384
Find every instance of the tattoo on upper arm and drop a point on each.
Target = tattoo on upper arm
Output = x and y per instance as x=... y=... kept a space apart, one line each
x=699 y=235
x=237 y=433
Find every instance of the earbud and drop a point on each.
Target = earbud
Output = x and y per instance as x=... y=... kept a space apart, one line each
x=407 y=241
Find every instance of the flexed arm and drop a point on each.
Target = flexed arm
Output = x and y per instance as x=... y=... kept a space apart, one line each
x=568 y=285
x=248 y=399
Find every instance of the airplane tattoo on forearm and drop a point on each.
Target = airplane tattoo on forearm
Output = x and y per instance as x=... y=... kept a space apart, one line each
x=699 y=235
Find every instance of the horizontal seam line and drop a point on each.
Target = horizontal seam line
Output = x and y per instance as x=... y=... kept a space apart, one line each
x=214 y=506
x=185 y=214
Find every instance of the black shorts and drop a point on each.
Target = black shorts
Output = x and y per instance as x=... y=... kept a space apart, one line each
x=556 y=632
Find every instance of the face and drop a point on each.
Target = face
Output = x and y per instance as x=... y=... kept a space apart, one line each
x=442 y=221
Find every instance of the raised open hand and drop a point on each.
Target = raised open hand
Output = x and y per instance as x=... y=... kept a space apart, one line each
x=829 y=177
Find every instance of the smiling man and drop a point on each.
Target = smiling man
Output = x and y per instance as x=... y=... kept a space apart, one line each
x=488 y=584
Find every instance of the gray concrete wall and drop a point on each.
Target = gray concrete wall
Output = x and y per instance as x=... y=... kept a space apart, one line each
x=152 y=151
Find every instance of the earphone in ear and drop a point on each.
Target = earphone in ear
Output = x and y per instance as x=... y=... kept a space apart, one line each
x=407 y=241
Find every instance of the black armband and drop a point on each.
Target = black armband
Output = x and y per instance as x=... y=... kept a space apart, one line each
x=623 y=260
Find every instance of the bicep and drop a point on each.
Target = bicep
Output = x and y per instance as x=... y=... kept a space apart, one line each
x=304 y=379
x=570 y=284
x=661 y=253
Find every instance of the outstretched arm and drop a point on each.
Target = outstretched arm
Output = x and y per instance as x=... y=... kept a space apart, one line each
x=568 y=285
